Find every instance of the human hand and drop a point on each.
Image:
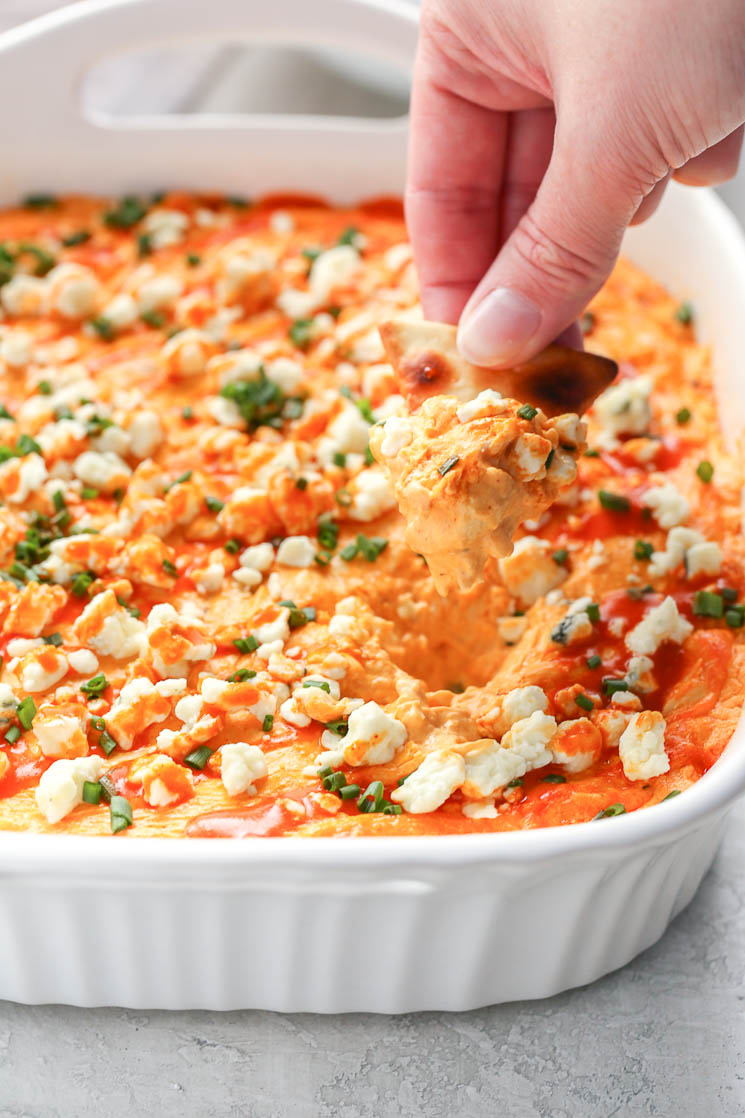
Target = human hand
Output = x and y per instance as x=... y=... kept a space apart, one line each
x=539 y=131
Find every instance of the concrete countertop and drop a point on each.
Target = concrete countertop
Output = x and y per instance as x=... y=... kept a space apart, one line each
x=664 y=1036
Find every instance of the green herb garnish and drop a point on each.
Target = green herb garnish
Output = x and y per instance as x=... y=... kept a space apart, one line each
x=609 y=812
x=95 y=686
x=613 y=502
x=198 y=757
x=120 y=813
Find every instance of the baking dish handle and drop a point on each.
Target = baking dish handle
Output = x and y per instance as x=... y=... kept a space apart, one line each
x=45 y=61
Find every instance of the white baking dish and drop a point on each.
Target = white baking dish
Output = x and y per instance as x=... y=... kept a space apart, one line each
x=333 y=924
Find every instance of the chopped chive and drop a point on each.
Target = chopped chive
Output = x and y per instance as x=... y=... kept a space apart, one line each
x=92 y=792
x=95 y=686
x=327 y=534
x=198 y=757
x=121 y=814
x=671 y=795
x=613 y=502
x=612 y=686
x=348 y=236
x=684 y=314
x=78 y=238
x=193 y=258
x=735 y=617
x=241 y=675
x=170 y=568
x=609 y=812
x=144 y=245
x=300 y=617
x=583 y=701
x=102 y=326
x=301 y=332
x=339 y=459
x=54 y=639
x=214 y=504
x=107 y=743
x=728 y=593
x=88 y=493
x=39 y=201
x=594 y=661
x=26 y=445
x=12 y=735
x=708 y=604
x=518 y=782
x=301 y=483
x=705 y=471
x=368 y=548
x=25 y=712
x=246 y=644
x=592 y=453
x=155 y=319
x=343 y=497
x=268 y=722
x=233 y=546
x=186 y=476
x=4 y=413
x=321 y=684
x=127 y=213
x=549 y=459
x=372 y=799
x=339 y=727
x=683 y=416
x=643 y=549
x=554 y=778
x=187 y=412
x=560 y=557
x=593 y=611
x=527 y=411
x=334 y=782
x=349 y=792
x=447 y=465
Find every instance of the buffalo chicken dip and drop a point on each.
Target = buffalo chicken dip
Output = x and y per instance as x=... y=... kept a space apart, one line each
x=214 y=619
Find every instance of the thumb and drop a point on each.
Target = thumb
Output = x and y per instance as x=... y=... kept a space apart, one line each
x=555 y=260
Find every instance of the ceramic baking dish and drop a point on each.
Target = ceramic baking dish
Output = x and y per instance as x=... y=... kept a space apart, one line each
x=332 y=925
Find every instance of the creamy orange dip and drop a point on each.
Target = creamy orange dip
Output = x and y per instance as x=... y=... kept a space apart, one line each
x=211 y=621
x=465 y=476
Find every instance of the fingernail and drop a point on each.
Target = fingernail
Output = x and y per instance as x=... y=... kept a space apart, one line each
x=499 y=328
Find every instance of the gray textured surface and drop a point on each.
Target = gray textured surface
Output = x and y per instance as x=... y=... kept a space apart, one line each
x=664 y=1036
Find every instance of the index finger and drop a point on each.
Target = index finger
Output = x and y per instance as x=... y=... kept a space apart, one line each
x=456 y=163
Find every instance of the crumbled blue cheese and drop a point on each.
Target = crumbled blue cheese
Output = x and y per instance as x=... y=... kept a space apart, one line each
x=669 y=506
x=529 y=571
x=624 y=408
x=642 y=746
x=373 y=737
x=240 y=765
x=60 y=788
x=429 y=786
x=662 y=623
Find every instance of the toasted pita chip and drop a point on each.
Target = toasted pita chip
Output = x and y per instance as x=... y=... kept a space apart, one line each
x=426 y=357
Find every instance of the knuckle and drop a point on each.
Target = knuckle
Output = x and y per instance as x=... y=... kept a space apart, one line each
x=554 y=256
